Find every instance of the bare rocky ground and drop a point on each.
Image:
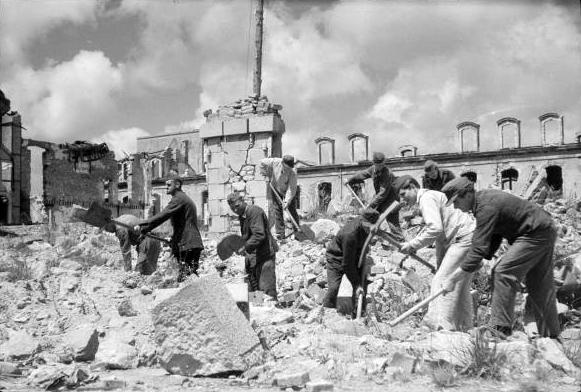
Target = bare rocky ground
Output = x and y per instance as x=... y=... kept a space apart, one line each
x=70 y=318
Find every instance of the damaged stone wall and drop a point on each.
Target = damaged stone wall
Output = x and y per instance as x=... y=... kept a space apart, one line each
x=233 y=147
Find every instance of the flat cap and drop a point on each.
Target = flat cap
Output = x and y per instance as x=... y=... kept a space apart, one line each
x=404 y=180
x=456 y=186
x=429 y=164
x=289 y=160
x=378 y=157
x=370 y=214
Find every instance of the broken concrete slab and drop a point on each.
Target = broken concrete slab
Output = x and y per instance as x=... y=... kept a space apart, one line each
x=200 y=331
x=113 y=353
x=291 y=380
x=550 y=350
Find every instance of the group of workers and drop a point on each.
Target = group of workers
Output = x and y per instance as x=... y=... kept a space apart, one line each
x=465 y=225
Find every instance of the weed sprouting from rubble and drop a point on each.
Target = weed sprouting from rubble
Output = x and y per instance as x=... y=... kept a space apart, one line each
x=573 y=352
x=486 y=360
x=444 y=375
x=17 y=269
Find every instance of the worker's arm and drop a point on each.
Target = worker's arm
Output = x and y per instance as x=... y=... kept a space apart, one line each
x=266 y=167
x=433 y=218
x=360 y=176
x=484 y=240
x=172 y=208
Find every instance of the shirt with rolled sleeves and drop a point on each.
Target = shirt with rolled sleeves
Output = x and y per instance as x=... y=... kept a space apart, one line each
x=283 y=178
x=441 y=221
x=501 y=215
x=385 y=193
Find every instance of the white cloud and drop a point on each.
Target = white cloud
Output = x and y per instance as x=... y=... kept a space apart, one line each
x=70 y=100
x=122 y=141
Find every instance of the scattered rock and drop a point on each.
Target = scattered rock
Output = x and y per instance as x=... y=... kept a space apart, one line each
x=83 y=342
x=551 y=351
x=324 y=229
x=319 y=386
x=125 y=308
x=145 y=290
x=291 y=380
x=115 y=354
x=68 y=264
x=20 y=346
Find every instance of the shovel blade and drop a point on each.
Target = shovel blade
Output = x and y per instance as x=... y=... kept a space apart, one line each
x=304 y=234
x=228 y=245
x=96 y=215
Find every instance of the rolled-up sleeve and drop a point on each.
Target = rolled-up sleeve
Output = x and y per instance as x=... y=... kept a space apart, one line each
x=433 y=218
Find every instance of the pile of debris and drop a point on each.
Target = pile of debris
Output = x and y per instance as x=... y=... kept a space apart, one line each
x=244 y=107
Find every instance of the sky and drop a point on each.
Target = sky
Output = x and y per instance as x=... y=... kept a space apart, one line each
x=402 y=72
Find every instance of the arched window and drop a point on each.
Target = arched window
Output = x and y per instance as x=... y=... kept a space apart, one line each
x=508 y=177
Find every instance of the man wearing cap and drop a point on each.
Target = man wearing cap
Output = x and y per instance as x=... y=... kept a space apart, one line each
x=385 y=193
x=147 y=248
x=343 y=254
x=186 y=241
x=282 y=176
x=531 y=235
x=451 y=230
x=259 y=247
x=434 y=177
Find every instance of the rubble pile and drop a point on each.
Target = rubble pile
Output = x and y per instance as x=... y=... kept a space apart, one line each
x=244 y=107
x=70 y=316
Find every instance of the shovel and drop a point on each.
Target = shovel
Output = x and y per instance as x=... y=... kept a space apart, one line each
x=100 y=216
x=363 y=254
x=228 y=245
x=415 y=308
x=303 y=232
x=355 y=195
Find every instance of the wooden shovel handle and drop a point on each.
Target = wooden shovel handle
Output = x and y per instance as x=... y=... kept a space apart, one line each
x=359 y=306
x=415 y=308
x=146 y=234
x=355 y=195
x=394 y=205
x=295 y=224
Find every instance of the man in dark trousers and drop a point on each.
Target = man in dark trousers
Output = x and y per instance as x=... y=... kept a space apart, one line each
x=434 y=177
x=531 y=234
x=259 y=246
x=343 y=254
x=186 y=241
x=147 y=248
x=385 y=193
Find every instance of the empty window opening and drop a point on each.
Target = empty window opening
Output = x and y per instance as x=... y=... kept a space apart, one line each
x=555 y=177
x=324 y=191
x=508 y=178
x=472 y=176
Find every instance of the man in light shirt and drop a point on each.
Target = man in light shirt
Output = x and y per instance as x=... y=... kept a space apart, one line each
x=281 y=174
x=451 y=230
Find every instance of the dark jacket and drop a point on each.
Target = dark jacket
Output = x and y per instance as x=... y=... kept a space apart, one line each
x=345 y=249
x=258 y=242
x=385 y=193
x=184 y=220
x=444 y=176
x=501 y=215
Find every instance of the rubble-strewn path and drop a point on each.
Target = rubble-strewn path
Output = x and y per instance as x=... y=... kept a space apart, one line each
x=71 y=318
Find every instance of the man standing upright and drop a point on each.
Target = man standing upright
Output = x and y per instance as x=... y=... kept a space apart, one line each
x=283 y=178
x=529 y=259
x=385 y=193
x=259 y=247
x=186 y=241
x=434 y=177
x=147 y=248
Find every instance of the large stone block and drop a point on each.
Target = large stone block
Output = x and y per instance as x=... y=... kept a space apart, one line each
x=84 y=342
x=266 y=123
x=236 y=126
x=218 y=175
x=211 y=129
x=236 y=159
x=257 y=153
x=215 y=207
x=218 y=191
x=200 y=331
